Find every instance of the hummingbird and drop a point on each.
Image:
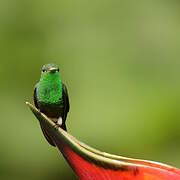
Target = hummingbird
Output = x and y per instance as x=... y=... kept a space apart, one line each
x=51 y=98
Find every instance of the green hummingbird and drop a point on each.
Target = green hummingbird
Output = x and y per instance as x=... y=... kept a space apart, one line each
x=51 y=97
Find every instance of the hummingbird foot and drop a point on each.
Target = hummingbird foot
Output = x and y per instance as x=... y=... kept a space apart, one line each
x=56 y=126
x=58 y=123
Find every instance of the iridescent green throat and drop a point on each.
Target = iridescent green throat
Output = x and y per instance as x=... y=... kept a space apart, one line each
x=49 y=90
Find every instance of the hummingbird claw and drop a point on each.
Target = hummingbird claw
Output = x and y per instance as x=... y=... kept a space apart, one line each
x=56 y=126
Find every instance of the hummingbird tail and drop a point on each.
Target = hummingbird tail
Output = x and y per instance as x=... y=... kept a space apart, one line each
x=46 y=135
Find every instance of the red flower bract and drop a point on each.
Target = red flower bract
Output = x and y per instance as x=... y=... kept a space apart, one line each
x=91 y=164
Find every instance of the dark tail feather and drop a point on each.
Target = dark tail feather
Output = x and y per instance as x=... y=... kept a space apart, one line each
x=46 y=135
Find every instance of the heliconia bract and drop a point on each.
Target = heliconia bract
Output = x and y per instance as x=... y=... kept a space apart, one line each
x=91 y=164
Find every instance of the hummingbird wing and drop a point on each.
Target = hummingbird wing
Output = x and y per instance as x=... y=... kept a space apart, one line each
x=48 y=138
x=66 y=104
x=35 y=96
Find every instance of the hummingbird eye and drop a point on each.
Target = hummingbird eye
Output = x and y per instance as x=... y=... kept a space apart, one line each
x=43 y=70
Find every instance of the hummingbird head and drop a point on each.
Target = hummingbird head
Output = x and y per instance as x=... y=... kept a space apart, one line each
x=50 y=68
x=50 y=72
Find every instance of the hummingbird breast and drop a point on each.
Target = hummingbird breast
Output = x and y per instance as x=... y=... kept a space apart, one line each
x=50 y=100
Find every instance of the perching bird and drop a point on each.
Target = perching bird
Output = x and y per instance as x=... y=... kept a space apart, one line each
x=51 y=97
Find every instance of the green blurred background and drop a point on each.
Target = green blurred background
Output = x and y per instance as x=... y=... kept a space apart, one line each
x=121 y=63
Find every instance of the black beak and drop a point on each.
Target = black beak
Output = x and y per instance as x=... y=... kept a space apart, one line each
x=52 y=70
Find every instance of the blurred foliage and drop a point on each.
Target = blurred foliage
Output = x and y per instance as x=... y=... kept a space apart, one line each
x=120 y=61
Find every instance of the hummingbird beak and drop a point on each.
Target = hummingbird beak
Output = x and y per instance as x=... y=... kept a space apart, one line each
x=52 y=70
